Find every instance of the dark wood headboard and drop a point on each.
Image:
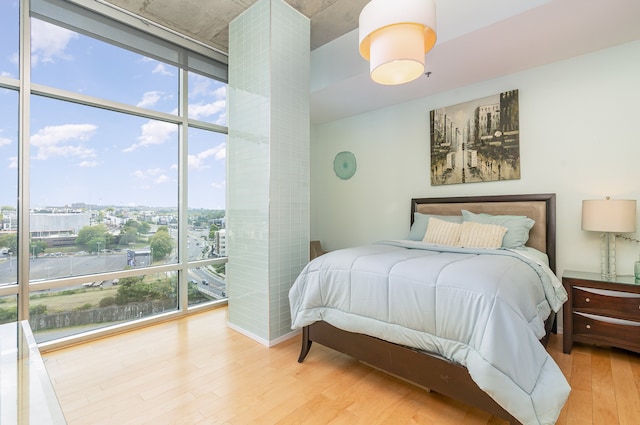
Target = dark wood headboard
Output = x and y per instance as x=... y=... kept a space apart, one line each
x=539 y=207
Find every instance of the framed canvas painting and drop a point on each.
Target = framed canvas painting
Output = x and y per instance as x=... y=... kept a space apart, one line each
x=476 y=141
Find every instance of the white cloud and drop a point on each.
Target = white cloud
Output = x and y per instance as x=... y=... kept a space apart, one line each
x=200 y=110
x=4 y=141
x=160 y=69
x=153 y=133
x=13 y=160
x=219 y=185
x=154 y=171
x=88 y=164
x=49 y=42
x=149 y=99
x=201 y=87
x=14 y=59
x=198 y=161
x=148 y=173
x=220 y=92
x=58 y=140
x=162 y=179
x=156 y=175
x=222 y=119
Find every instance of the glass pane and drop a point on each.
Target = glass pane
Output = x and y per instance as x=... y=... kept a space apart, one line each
x=9 y=18
x=207 y=99
x=206 y=190
x=68 y=60
x=205 y=285
x=102 y=183
x=69 y=311
x=206 y=202
x=8 y=309
x=9 y=179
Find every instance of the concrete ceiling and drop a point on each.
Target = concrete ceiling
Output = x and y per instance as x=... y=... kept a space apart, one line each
x=477 y=41
x=208 y=20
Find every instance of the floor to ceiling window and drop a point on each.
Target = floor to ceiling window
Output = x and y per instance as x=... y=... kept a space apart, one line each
x=9 y=95
x=120 y=156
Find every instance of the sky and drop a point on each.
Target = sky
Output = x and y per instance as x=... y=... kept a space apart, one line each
x=80 y=154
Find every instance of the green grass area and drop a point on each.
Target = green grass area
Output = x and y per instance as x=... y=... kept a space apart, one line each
x=71 y=300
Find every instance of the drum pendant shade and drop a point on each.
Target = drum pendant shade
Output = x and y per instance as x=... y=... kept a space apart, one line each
x=395 y=36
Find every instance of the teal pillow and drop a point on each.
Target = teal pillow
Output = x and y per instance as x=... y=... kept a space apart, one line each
x=518 y=227
x=420 y=222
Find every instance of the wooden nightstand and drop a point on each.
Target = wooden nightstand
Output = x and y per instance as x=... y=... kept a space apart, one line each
x=601 y=311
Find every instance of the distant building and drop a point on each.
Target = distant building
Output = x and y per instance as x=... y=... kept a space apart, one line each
x=9 y=220
x=57 y=229
x=57 y=224
x=112 y=220
x=138 y=257
x=220 y=243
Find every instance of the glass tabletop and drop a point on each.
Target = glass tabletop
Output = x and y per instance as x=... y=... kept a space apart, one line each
x=597 y=277
x=27 y=396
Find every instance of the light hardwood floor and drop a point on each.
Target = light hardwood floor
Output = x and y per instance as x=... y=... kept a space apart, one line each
x=196 y=371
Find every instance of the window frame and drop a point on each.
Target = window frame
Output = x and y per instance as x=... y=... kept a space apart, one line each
x=192 y=57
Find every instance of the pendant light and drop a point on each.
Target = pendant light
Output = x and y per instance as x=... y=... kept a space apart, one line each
x=395 y=36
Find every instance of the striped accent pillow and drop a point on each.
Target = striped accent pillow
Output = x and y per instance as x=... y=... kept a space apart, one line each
x=442 y=232
x=480 y=235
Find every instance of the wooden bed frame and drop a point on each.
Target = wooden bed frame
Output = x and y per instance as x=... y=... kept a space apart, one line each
x=430 y=370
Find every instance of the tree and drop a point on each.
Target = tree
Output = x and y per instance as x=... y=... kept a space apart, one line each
x=134 y=289
x=135 y=224
x=140 y=228
x=92 y=238
x=9 y=241
x=220 y=268
x=144 y=228
x=130 y=236
x=161 y=243
x=37 y=247
x=195 y=296
x=212 y=231
x=129 y=290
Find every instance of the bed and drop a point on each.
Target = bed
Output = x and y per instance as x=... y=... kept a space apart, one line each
x=495 y=359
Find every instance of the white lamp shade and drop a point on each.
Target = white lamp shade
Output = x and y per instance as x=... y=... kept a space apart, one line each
x=609 y=215
x=394 y=36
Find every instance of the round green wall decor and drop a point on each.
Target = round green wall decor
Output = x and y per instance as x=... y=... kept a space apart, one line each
x=345 y=165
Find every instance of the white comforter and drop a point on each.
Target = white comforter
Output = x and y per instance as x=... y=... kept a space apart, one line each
x=483 y=309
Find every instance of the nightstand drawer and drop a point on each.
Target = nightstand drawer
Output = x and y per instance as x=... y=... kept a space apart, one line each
x=601 y=311
x=621 y=333
x=625 y=303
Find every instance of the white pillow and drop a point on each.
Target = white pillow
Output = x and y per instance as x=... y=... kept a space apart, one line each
x=479 y=235
x=442 y=232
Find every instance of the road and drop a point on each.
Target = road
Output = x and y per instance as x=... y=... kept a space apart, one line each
x=63 y=266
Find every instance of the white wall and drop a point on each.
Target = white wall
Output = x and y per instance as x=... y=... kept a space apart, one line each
x=579 y=138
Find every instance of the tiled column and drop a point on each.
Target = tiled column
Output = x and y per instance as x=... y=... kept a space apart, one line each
x=268 y=166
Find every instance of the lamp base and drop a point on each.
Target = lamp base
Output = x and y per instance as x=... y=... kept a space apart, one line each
x=608 y=256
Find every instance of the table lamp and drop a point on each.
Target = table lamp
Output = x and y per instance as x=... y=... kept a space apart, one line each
x=609 y=216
